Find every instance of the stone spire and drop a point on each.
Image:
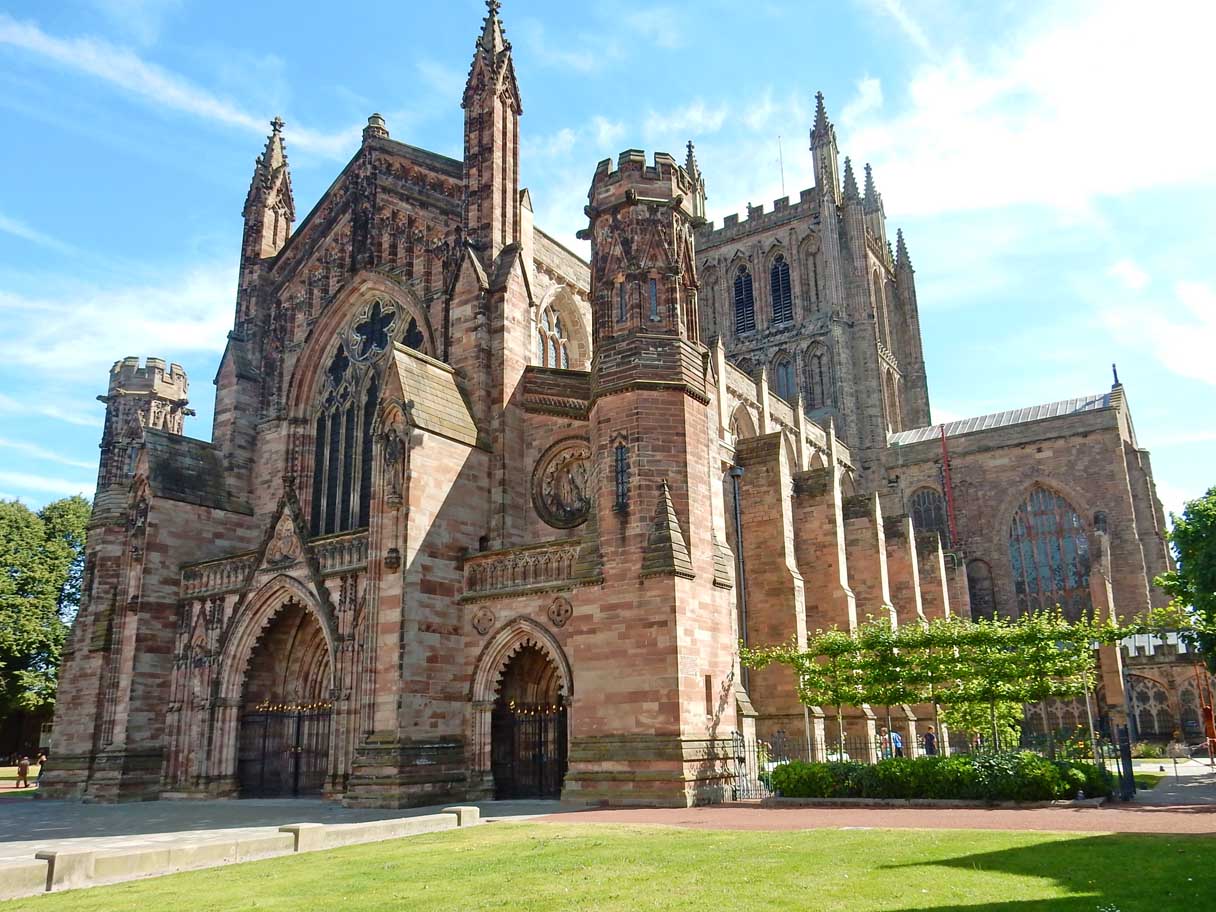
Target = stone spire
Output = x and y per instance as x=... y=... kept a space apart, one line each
x=850 y=181
x=491 y=141
x=873 y=200
x=271 y=184
x=823 y=132
x=666 y=550
x=824 y=153
x=698 y=181
x=902 y=261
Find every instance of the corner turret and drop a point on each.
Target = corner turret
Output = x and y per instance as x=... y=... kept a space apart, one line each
x=269 y=213
x=825 y=153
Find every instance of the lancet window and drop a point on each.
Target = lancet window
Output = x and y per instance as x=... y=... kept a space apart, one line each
x=818 y=380
x=779 y=286
x=783 y=379
x=928 y=509
x=745 y=302
x=1049 y=554
x=342 y=448
x=552 y=345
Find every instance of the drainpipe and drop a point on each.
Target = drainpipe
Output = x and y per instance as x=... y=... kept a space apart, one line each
x=736 y=472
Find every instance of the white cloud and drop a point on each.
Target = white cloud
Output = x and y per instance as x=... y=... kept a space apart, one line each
x=1179 y=332
x=607 y=132
x=1130 y=274
x=142 y=19
x=10 y=405
x=1056 y=114
x=448 y=82
x=63 y=486
x=551 y=145
x=661 y=24
x=20 y=229
x=125 y=70
x=898 y=13
x=186 y=312
x=696 y=118
x=42 y=453
x=867 y=100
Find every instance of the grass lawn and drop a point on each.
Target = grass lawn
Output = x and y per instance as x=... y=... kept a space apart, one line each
x=1146 y=780
x=8 y=782
x=569 y=867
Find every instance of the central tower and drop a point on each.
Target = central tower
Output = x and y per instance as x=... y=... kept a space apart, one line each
x=655 y=662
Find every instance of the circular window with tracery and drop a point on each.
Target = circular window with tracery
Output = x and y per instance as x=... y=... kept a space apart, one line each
x=561 y=484
x=371 y=332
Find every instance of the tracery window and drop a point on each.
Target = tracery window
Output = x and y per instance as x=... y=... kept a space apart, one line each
x=1150 y=706
x=745 y=302
x=779 y=282
x=552 y=345
x=928 y=509
x=818 y=380
x=342 y=449
x=1049 y=554
x=783 y=379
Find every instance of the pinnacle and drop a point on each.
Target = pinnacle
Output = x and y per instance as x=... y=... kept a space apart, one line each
x=901 y=250
x=822 y=132
x=666 y=551
x=493 y=37
x=872 y=197
x=850 y=181
x=690 y=161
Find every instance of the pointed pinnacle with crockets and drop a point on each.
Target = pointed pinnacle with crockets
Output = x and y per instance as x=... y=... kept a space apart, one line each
x=850 y=181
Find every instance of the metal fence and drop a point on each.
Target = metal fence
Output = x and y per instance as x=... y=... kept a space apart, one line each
x=755 y=759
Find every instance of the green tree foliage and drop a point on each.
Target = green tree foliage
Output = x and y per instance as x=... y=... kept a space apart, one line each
x=42 y=557
x=1193 y=585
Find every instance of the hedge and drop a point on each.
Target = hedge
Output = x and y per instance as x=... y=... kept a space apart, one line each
x=986 y=777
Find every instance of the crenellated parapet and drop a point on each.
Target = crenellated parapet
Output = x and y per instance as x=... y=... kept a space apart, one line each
x=148 y=395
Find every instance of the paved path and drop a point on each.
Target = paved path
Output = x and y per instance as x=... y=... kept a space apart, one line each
x=1194 y=786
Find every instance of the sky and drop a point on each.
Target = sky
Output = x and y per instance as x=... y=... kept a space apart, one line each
x=1050 y=165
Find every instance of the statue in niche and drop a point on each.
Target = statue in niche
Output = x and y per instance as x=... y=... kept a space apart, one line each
x=560 y=486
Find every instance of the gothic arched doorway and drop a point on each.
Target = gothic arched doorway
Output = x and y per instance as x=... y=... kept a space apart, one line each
x=283 y=745
x=528 y=728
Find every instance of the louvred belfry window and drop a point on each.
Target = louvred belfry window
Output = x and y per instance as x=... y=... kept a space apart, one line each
x=745 y=302
x=783 y=299
x=1049 y=554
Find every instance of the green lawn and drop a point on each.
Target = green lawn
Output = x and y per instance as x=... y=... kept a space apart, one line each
x=550 y=867
x=1146 y=780
x=8 y=781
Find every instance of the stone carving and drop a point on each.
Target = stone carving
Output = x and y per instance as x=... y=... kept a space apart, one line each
x=392 y=473
x=282 y=549
x=392 y=560
x=560 y=484
x=483 y=620
x=560 y=611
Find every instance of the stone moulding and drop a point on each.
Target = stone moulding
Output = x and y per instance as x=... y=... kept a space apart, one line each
x=335 y=554
x=543 y=567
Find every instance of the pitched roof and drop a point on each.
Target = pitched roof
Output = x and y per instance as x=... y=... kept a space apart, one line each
x=1003 y=419
x=189 y=471
x=438 y=405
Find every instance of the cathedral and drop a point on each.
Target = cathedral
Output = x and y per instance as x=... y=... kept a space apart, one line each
x=479 y=518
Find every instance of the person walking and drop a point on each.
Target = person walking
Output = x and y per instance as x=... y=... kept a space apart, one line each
x=897 y=743
x=23 y=772
x=41 y=766
x=930 y=742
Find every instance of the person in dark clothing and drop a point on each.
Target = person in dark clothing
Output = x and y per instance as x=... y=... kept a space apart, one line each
x=930 y=742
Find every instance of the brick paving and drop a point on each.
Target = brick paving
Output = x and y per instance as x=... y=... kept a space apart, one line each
x=1114 y=818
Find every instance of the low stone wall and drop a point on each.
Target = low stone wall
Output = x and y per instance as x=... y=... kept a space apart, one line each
x=66 y=869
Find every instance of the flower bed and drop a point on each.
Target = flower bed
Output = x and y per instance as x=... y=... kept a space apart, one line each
x=986 y=777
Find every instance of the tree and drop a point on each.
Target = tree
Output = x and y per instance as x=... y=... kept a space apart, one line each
x=1193 y=584
x=42 y=555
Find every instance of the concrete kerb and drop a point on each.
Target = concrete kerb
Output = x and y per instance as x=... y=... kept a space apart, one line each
x=24 y=877
x=65 y=869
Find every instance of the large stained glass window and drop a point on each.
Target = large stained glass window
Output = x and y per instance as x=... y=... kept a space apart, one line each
x=1049 y=553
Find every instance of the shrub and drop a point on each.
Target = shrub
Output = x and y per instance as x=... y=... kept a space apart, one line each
x=1148 y=750
x=989 y=777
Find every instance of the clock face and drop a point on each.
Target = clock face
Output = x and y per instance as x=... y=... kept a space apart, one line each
x=561 y=484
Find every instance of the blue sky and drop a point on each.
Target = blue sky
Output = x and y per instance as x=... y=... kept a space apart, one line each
x=1050 y=165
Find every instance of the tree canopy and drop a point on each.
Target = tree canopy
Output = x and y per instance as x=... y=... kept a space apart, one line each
x=1192 y=586
x=43 y=558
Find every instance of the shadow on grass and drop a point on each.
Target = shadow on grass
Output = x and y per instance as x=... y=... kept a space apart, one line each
x=1116 y=872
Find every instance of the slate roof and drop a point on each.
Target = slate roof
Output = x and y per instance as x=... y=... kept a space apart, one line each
x=1003 y=419
x=439 y=405
x=189 y=471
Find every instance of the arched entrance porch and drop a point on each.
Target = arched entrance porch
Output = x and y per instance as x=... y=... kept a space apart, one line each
x=528 y=729
x=286 y=715
x=521 y=696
